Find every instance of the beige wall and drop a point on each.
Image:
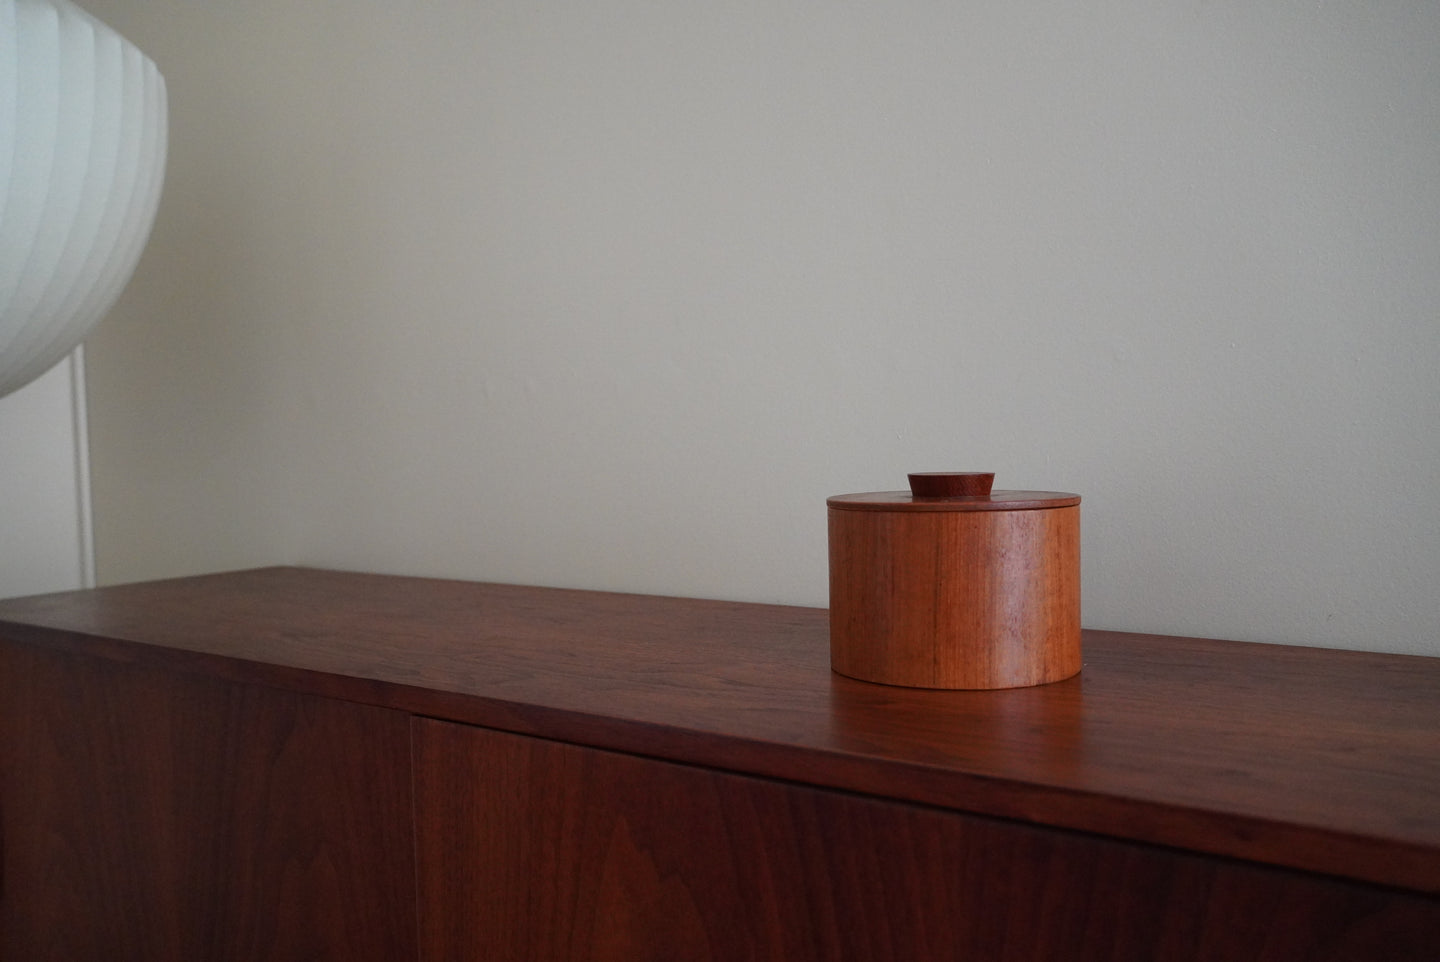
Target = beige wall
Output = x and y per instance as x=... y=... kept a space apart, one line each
x=44 y=485
x=613 y=294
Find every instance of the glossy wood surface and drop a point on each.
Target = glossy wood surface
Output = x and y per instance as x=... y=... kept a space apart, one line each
x=544 y=852
x=149 y=816
x=1319 y=760
x=955 y=599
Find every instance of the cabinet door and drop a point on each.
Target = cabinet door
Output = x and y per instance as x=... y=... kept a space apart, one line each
x=535 y=850
x=166 y=817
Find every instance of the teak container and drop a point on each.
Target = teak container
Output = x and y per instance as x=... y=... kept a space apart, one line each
x=949 y=585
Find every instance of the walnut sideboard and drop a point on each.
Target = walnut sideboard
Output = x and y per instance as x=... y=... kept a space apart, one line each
x=299 y=764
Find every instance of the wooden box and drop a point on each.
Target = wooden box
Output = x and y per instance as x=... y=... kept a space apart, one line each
x=951 y=585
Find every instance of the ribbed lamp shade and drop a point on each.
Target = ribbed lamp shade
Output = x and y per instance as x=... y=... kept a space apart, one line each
x=82 y=158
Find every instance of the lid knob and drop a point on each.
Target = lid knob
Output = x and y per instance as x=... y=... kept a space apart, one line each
x=951 y=484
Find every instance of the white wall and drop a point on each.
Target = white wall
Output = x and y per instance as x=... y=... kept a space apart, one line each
x=44 y=493
x=614 y=294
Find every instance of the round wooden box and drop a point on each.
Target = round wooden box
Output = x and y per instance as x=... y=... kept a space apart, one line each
x=950 y=585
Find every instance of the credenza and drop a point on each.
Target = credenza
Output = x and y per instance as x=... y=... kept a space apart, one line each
x=289 y=763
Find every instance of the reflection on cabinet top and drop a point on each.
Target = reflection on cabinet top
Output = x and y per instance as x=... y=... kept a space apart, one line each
x=1308 y=758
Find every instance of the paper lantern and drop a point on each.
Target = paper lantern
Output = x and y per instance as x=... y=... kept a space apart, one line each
x=82 y=158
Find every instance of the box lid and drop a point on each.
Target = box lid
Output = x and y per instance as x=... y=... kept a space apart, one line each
x=952 y=491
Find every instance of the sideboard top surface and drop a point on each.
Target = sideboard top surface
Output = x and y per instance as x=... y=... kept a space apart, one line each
x=1321 y=760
